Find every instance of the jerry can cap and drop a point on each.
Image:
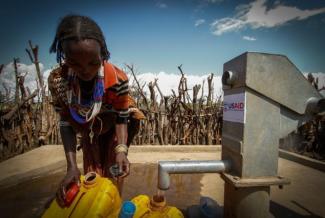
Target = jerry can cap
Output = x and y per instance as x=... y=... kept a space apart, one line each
x=71 y=194
x=127 y=210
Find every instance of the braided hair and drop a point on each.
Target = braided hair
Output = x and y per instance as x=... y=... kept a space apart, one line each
x=76 y=27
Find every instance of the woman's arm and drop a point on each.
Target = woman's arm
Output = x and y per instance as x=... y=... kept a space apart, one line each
x=118 y=96
x=121 y=157
x=68 y=136
x=121 y=133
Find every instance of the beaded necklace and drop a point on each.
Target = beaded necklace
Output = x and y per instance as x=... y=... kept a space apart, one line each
x=84 y=113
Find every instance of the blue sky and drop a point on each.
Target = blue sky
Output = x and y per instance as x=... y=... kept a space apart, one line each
x=160 y=35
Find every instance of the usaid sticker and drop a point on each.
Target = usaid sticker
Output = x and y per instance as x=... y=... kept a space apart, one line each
x=234 y=108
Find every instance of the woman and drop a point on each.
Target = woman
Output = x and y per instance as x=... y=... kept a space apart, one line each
x=91 y=96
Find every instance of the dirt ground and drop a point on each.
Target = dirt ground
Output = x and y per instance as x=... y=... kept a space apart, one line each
x=28 y=181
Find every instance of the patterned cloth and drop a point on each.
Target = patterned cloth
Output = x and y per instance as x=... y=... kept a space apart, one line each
x=99 y=155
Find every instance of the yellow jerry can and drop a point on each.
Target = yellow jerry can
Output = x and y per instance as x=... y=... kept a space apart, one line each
x=154 y=208
x=97 y=197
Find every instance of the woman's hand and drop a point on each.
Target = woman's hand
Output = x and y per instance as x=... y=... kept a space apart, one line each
x=123 y=163
x=72 y=176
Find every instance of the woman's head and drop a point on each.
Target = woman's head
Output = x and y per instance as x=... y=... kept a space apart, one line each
x=80 y=43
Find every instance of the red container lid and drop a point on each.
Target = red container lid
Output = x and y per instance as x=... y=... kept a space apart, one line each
x=71 y=194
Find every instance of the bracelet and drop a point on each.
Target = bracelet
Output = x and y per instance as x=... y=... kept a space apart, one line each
x=121 y=148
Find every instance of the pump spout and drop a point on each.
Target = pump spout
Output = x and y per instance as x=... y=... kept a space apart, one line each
x=181 y=167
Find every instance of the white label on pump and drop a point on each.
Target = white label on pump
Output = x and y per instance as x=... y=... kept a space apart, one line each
x=234 y=108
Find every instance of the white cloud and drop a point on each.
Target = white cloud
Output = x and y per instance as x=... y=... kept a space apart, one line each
x=249 y=38
x=214 y=1
x=320 y=76
x=224 y=25
x=257 y=15
x=161 y=5
x=199 y=22
x=202 y=4
x=167 y=82
x=7 y=76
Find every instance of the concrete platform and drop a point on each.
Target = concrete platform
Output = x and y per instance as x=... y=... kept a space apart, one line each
x=29 y=180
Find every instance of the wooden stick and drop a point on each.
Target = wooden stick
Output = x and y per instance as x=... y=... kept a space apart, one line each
x=8 y=115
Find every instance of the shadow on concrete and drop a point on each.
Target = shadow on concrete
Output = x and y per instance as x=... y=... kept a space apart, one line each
x=208 y=208
x=28 y=198
x=279 y=211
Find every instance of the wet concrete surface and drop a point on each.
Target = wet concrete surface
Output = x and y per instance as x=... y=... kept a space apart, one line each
x=185 y=189
x=304 y=197
x=29 y=198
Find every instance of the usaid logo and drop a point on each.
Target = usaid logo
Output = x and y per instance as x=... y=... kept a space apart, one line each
x=234 y=106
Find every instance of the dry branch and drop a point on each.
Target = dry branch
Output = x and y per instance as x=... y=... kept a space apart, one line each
x=1 y=68
x=9 y=115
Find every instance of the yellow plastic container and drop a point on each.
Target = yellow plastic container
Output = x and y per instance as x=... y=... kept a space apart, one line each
x=97 y=197
x=154 y=208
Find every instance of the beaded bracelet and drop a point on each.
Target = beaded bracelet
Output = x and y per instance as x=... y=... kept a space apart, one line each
x=121 y=148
